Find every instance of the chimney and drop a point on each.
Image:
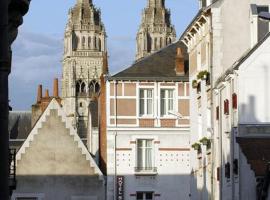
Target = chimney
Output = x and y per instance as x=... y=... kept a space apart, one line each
x=39 y=94
x=105 y=69
x=46 y=94
x=55 y=88
x=179 y=63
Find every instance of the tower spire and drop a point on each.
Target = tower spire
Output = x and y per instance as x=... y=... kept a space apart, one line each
x=84 y=2
x=156 y=30
x=156 y=3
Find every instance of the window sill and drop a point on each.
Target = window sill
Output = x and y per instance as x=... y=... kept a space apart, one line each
x=146 y=172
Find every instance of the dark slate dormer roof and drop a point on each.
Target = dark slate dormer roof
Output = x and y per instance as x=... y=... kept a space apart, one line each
x=159 y=66
x=19 y=127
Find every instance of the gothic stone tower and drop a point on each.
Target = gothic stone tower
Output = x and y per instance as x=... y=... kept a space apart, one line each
x=84 y=51
x=156 y=30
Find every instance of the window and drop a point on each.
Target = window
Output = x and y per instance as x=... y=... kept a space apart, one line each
x=144 y=155
x=167 y=101
x=144 y=196
x=146 y=102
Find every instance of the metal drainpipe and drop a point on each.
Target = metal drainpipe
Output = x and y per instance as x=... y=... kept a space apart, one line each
x=212 y=113
x=4 y=73
x=115 y=137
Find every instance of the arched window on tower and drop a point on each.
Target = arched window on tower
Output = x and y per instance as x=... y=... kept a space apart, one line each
x=149 y=43
x=75 y=42
x=95 y=42
x=160 y=42
x=80 y=88
x=89 y=42
x=83 y=42
x=99 y=44
x=155 y=47
x=169 y=41
x=94 y=88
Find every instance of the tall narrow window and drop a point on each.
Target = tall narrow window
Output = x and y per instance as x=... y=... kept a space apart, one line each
x=146 y=102
x=144 y=195
x=144 y=155
x=83 y=42
x=89 y=42
x=167 y=101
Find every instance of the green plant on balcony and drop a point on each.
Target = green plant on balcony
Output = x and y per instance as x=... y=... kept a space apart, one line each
x=206 y=141
x=203 y=75
x=194 y=84
x=196 y=146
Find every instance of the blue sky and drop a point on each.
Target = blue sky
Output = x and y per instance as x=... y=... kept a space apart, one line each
x=37 y=52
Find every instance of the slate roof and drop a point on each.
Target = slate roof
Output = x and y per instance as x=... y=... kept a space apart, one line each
x=19 y=127
x=19 y=124
x=159 y=66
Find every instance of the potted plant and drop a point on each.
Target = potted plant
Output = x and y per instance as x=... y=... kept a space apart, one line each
x=203 y=75
x=205 y=141
x=196 y=146
x=194 y=84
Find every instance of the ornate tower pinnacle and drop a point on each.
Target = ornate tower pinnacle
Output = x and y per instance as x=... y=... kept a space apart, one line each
x=84 y=51
x=156 y=30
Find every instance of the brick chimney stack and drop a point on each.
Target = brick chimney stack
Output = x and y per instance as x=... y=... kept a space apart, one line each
x=55 y=88
x=39 y=94
x=179 y=62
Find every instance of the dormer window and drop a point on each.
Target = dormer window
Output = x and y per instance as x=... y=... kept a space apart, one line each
x=259 y=28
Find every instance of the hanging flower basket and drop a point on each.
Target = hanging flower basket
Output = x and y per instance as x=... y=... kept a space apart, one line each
x=194 y=84
x=203 y=75
x=205 y=141
x=197 y=147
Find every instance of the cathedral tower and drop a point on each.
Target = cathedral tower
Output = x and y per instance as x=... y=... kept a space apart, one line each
x=156 y=30
x=84 y=51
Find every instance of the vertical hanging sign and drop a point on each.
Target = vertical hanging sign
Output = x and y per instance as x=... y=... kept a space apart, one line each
x=120 y=188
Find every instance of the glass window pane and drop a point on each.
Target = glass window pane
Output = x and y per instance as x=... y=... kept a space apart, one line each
x=139 y=196
x=162 y=107
x=170 y=93
x=149 y=195
x=148 y=158
x=149 y=93
x=162 y=94
x=149 y=106
x=170 y=105
x=141 y=93
x=141 y=106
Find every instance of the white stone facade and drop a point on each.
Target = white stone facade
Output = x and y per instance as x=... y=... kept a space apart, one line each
x=168 y=175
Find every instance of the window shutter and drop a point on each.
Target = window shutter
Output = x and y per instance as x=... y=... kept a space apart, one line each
x=217 y=113
x=218 y=174
x=227 y=170
x=234 y=100
x=226 y=107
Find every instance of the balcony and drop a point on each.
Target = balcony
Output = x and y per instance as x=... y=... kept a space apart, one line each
x=145 y=171
x=12 y=170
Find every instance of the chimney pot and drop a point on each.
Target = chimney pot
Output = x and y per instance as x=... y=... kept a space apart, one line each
x=39 y=94
x=47 y=93
x=55 y=88
x=179 y=62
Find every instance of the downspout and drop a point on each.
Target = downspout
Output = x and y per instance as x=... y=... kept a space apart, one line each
x=212 y=111
x=115 y=137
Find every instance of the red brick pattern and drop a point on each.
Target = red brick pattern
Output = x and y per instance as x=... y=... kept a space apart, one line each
x=147 y=122
x=167 y=122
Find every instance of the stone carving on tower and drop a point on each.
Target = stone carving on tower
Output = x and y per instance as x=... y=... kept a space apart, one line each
x=156 y=30
x=84 y=51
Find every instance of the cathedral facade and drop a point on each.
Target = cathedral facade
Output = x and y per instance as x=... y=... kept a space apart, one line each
x=84 y=51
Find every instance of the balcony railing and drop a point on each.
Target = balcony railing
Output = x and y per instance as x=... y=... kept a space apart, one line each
x=146 y=170
x=12 y=170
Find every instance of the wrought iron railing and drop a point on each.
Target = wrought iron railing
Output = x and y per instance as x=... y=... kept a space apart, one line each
x=12 y=170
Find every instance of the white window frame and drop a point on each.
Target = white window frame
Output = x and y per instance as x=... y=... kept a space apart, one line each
x=167 y=111
x=153 y=153
x=145 y=102
x=144 y=194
